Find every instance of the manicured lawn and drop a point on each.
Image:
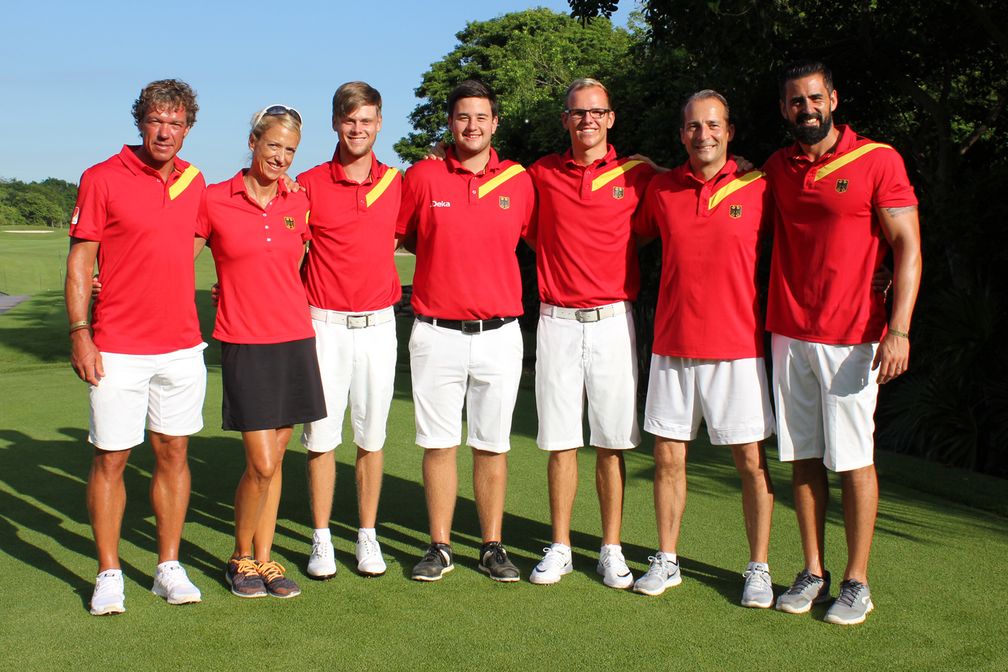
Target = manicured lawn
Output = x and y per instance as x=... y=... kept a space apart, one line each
x=939 y=560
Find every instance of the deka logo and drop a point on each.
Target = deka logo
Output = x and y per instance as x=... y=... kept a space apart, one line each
x=440 y=204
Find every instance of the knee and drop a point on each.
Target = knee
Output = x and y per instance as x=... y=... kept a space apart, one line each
x=109 y=464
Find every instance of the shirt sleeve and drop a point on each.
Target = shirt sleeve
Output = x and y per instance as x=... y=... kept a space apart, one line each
x=644 y=219
x=892 y=186
x=91 y=210
x=409 y=205
x=203 y=226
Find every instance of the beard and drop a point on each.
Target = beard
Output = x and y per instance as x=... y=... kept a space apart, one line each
x=810 y=135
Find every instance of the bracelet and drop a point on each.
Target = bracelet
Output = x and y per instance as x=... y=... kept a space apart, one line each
x=77 y=326
x=901 y=334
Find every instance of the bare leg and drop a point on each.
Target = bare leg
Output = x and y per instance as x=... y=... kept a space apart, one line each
x=610 y=479
x=860 y=506
x=811 y=493
x=106 y=502
x=669 y=490
x=440 y=475
x=169 y=491
x=757 y=497
x=370 y=465
x=490 y=488
x=562 y=475
x=262 y=539
x=261 y=463
x=321 y=484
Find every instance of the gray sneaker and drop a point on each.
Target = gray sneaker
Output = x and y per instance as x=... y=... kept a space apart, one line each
x=807 y=589
x=852 y=605
x=758 y=589
x=662 y=574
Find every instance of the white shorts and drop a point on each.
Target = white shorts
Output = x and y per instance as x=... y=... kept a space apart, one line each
x=357 y=365
x=731 y=395
x=162 y=392
x=576 y=359
x=480 y=371
x=825 y=396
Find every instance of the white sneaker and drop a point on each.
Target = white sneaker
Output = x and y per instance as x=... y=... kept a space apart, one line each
x=555 y=563
x=109 y=593
x=171 y=583
x=662 y=574
x=322 y=562
x=369 y=556
x=613 y=568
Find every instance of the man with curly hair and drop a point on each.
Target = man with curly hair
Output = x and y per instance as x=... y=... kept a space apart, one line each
x=139 y=349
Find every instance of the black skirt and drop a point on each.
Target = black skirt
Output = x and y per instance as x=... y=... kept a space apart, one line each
x=270 y=385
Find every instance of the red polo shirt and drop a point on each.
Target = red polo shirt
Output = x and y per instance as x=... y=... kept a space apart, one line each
x=828 y=242
x=350 y=265
x=468 y=226
x=144 y=227
x=257 y=252
x=585 y=253
x=708 y=306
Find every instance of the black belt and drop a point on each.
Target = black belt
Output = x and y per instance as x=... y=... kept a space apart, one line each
x=468 y=326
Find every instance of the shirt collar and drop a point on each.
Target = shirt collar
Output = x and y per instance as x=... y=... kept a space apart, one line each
x=133 y=163
x=237 y=184
x=455 y=166
x=568 y=158
x=338 y=174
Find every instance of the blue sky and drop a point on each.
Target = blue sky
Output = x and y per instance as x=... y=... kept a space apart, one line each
x=72 y=70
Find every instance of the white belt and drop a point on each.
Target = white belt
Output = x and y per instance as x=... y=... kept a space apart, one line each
x=352 y=320
x=585 y=314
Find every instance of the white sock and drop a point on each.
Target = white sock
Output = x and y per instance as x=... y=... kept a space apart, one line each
x=112 y=572
x=758 y=565
x=168 y=564
x=671 y=557
x=368 y=532
x=612 y=548
x=322 y=534
x=563 y=548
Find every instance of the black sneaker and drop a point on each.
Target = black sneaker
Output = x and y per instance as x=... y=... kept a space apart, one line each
x=495 y=563
x=437 y=562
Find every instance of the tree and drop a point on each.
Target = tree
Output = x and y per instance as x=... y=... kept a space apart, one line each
x=930 y=77
x=528 y=58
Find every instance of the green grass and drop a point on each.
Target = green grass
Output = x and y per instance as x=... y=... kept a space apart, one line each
x=938 y=564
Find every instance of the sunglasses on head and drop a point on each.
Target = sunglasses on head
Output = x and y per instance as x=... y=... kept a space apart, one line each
x=276 y=111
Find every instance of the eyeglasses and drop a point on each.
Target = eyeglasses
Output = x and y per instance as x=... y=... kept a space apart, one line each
x=597 y=113
x=276 y=111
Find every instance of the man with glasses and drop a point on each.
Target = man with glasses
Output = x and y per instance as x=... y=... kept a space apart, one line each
x=141 y=352
x=352 y=285
x=586 y=261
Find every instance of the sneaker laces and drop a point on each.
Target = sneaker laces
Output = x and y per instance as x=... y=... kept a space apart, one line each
x=435 y=554
x=321 y=548
x=172 y=577
x=271 y=570
x=802 y=581
x=246 y=567
x=368 y=546
x=659 y=565
x=552 y=559
x=849 y=591
x=611 y=559
x=497 y=552
x=758 y=576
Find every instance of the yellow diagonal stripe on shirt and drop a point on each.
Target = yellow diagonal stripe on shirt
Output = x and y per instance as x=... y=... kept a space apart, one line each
x=382 y=185
x=490 y=185
x=840 y=162
x=733 y=186
x=610 y=175
x=184 y=180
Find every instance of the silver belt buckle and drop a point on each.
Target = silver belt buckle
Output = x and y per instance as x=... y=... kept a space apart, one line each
x=357 y=321
x=587 y=315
